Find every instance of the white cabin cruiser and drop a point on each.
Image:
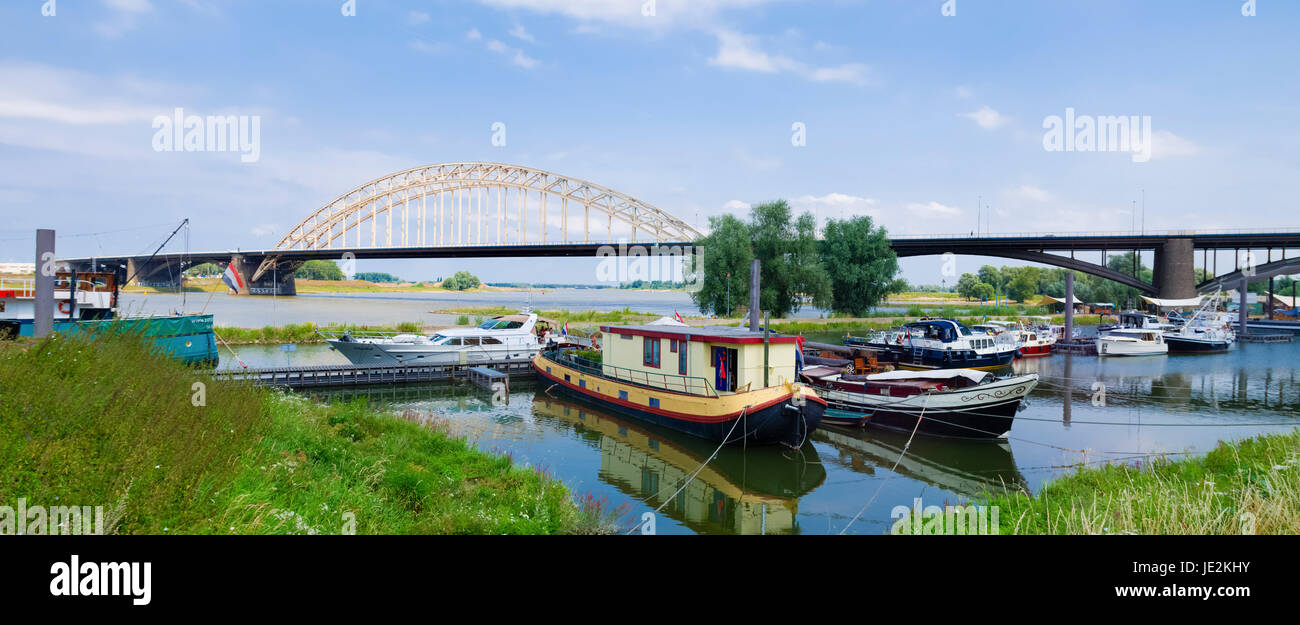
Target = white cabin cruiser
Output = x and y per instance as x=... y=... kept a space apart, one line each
x=506 y=338
x=1132 y=342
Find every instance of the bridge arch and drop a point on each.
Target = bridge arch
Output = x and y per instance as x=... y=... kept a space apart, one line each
x=479 y=203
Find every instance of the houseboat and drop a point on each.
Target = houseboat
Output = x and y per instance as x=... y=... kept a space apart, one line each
x=86 y=304
x=499 y=339
x=728 y=385
x=958 y=403
x=941 y=344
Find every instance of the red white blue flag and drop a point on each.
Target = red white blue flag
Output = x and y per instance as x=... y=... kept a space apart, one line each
x=231 y=277
x=678 y=317
x=565 y=329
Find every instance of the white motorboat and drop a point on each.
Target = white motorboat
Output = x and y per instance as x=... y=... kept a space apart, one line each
x=500 y=339
x=1132 y=342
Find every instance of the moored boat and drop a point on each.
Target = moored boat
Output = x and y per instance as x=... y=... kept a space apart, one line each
x=1132 y=342
x=727 y=385
x=499 y=339
x=941 y=344
x=960 y=403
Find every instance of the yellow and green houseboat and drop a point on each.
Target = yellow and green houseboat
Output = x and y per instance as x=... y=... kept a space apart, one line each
x=724 y=384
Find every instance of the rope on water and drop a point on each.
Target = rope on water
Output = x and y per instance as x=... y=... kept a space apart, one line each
x=743 y=414
x=892 y=471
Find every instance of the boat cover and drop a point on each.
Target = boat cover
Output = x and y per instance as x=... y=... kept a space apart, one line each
x=1190 y=302
x=666 y=321
x=978 y=377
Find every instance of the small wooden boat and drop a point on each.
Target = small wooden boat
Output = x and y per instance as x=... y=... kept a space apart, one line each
x=724 y=384
x=961 y=403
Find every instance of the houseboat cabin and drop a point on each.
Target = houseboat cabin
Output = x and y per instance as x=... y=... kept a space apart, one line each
x=697 y=380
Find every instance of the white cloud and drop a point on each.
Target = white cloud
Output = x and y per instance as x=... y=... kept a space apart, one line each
x=123 y=20
x=987 y=118
x=736 y=206
x=931 y=209
x=130 y=6
x=516 y=55
x=428 y=48
x=629 y=12
x=519 y=32
x=473 y=34
x=740 y=51
x=963 y=92
x=1166 y=144
x=416 y=18
x=1032 y=193
x=835 y=205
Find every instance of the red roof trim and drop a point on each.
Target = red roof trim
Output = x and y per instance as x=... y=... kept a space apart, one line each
x=698 y=338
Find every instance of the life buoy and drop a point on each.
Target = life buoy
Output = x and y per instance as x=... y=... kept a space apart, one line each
x=65 y=308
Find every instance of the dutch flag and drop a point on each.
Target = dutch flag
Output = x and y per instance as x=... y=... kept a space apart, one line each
x=231 y=277
x=565 y=329
x=678 y=316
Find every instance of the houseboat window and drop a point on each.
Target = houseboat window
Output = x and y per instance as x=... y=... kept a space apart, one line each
x=681 y=361
x=654 y=402
x=487 y=340
x=471 y=340
x=672 y=345
x=622 y=394
x=652 y=347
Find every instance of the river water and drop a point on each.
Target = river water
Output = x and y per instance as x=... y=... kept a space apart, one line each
x=1152 y=405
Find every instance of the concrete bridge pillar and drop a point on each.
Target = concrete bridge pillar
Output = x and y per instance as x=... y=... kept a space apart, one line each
x=279 y=282
x=1175 y=269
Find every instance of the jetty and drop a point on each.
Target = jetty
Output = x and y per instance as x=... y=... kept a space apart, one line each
x=367 y=375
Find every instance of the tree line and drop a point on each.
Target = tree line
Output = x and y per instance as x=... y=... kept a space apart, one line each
x=851 y=270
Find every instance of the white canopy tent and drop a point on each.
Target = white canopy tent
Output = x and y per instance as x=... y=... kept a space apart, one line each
x=1191 y=302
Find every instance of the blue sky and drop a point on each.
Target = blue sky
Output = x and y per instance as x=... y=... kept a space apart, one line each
x=911 y=115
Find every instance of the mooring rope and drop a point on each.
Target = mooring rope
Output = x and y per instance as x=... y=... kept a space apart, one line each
x=232 y=351
x=743 y=413
x=892 y=471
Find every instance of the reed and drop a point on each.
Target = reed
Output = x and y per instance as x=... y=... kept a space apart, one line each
x=110 y=424
x=304 y=332
x=1247 y=486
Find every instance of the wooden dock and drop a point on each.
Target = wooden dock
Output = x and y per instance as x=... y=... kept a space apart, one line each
x=1255 y=337
x=365 y=375
x=1080 y=348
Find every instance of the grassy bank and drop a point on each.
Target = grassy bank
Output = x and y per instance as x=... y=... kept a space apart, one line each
x=303 y=332
x=108 y=424
x=1249 y=486
x=627 y=315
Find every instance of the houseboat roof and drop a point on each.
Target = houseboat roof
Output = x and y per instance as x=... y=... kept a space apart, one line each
x=708 y=334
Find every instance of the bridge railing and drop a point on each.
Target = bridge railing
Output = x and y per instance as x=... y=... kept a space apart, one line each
x=1099 y=233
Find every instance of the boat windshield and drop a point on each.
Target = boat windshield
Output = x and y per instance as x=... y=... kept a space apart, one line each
x=439 y=339
x=500 y=324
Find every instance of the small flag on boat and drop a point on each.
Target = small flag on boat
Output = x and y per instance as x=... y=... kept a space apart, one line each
x=231 y=277
x=565 y=329
x=678 y=317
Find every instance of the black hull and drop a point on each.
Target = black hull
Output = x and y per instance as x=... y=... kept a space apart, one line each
x=989 y=421
x=781 y=423
x=927 y=359
x=1184 y=346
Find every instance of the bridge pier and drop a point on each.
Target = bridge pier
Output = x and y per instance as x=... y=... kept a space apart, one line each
x=1175 y=269
x=278 y=282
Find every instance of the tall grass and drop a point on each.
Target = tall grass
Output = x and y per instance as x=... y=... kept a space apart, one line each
x=304 y=332
x=110 y=424
x=1249 y=486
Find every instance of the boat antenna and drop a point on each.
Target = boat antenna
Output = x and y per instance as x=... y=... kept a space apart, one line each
x=155 y=252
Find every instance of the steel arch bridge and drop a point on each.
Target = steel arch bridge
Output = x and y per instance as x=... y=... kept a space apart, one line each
x=452 y=204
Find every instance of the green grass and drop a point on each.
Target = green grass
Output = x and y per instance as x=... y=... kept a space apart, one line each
x=109 y=424
x=1248 y=486
x=303 y=332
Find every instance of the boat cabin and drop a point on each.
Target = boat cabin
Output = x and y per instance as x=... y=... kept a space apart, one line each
x=728 y=359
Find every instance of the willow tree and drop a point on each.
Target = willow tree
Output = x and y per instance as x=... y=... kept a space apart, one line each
x=860 y=262
x=791 y=268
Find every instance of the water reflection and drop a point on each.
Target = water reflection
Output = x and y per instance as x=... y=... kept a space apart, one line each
x=966 y=467
x=754 y=491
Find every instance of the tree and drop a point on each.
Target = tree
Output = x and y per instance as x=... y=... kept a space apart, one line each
x=204 y=269
x=319 y=270
x=371 y=276
x=991 y=276
x=860 y=262
x=966 y=285
x=983 y=291
x=788 y=253
x=1023 y=282
x=725 y=254
x=460 y=281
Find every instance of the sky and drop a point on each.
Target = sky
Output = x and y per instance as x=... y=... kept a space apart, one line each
x=927 y=115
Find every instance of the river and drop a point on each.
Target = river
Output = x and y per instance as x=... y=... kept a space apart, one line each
x=1174 y=405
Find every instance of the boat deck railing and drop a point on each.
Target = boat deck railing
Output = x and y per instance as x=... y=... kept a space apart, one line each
x=690 y=385
x=361 y=375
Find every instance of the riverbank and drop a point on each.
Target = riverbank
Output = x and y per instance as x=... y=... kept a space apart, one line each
x=168 y=449
x=1250 y=486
